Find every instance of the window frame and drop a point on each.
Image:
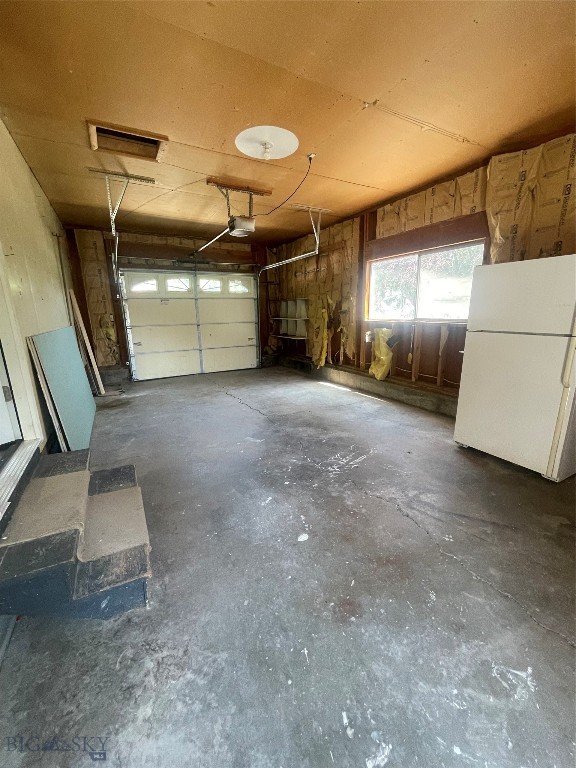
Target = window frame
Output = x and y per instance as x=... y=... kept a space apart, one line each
x=441 y=234
x=418 y=252
x=171 y=292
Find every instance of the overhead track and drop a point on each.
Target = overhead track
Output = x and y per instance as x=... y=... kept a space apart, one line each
x=316 y=229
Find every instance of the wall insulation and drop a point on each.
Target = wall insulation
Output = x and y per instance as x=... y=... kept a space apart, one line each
x=96 y=280
x=529 y=198
x=531 y=201
x=329 y=283
x=458 y=197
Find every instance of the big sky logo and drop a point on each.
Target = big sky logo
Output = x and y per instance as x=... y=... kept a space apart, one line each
x=93 y=746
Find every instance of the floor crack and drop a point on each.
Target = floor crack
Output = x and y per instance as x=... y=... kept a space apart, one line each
x=252 y=408
x=472 y=573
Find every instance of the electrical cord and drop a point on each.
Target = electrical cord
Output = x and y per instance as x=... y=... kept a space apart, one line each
x=311 y=156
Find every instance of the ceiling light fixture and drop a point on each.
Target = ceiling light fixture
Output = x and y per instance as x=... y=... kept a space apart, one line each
x=267 y=142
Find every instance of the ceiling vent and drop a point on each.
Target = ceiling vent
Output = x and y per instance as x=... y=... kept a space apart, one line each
x=125 y=141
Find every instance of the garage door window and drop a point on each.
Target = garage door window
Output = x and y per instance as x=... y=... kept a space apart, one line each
x=149 y=285
x=209 y=285
x=237 y=285
x=178 y=284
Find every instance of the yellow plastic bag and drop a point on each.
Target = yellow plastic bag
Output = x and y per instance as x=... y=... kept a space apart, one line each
x=382 y=354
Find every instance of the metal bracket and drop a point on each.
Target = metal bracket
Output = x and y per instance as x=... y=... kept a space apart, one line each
x=126 y=178
x=114 y=210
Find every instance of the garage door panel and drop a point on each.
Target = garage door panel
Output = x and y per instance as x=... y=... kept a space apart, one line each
x=226 y=310
x=231 y=359
x=160 y=365
x=165 y=338
x=161 y=311
x=228 y=335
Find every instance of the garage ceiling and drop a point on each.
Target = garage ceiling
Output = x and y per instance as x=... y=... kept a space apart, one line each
x=390 y=95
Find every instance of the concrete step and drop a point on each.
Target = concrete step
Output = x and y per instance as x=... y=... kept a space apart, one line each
x=77 y=544
x=15 y=475
x=115 y=547
x=49 y=505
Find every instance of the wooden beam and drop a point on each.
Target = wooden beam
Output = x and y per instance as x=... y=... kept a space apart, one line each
x=235 y=185
x=360 y=299
x=117 y=308
x=444 y=331
x=158 y=251
x=76 y=274
x=416 y=350
x=86 y=340
x=440 y=235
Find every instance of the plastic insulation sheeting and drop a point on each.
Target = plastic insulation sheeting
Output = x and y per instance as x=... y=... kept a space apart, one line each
x=382 y=353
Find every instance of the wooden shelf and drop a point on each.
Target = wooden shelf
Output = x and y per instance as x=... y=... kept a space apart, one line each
x=291 y=322
x=286 y=336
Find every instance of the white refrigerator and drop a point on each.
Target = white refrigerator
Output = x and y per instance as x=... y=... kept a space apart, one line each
x=519 y=374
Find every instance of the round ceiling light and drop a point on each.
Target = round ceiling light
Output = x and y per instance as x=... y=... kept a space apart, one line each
x=267 y=142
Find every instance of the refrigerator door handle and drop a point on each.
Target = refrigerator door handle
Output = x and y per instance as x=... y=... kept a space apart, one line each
x=566 y=384
x=569 y=363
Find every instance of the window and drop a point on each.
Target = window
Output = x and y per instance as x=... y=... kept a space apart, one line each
x=210 y=284
x=237 y=285
x=430 y=285
x=177 y=284
x=149 y=285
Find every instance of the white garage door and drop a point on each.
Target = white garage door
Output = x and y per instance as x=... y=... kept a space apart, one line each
x=183 y=323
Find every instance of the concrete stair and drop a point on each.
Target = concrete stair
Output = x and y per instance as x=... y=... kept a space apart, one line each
x=77 y=543
x=15 y=475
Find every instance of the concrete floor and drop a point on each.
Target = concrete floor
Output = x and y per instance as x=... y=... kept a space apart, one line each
x=426 y=620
